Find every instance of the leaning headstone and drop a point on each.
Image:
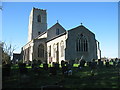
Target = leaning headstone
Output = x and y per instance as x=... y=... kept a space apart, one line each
x=82 y=63
x=45 y=66
x=114 y=63
x=89 y=64
x=107 y=63
x=66 y=63
x=53 y=64
x=64 y=70
x=62 y=63
x=22 y=68
x=116 y=60
x=100 y=63
x=34 y=64
x=69 y=72
x=56 y=65
x=69 y=66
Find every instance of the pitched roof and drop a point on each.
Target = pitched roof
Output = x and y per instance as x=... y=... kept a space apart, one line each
x=55 y=25
x=56 y=36
x=81 y=26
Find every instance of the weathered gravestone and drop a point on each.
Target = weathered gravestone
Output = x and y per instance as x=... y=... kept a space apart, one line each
x=62 y=63
x=118 y=64
x=69 y=66
x=100 y=63
x=65 y=70
x=6 y=70
x=93 y=67
x=56 y=65
x=82 y=63
x=114 y=63
x=89 y=64
x=35 y=63
x=45 y=66
x=69 y=72
x=22 y=68
x=107 y=63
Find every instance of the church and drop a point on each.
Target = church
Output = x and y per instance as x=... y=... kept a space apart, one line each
x=56 y=44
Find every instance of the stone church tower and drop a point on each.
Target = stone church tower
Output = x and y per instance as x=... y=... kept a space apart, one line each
x=37 y=23
x=56 y=44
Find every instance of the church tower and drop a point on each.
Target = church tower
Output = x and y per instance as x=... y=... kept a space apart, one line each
x=37 y=23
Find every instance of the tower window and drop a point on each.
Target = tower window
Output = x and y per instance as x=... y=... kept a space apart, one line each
x=57 y=31
x=39 y=18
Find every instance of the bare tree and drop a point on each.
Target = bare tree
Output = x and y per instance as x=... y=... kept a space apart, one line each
x=7 y=52
x=1 y=7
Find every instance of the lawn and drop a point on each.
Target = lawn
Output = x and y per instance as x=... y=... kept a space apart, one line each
x=104 y=78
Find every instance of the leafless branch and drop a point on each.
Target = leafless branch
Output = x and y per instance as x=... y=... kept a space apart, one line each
x=1 y=7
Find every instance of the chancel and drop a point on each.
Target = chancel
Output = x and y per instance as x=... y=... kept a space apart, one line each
x=56 y=43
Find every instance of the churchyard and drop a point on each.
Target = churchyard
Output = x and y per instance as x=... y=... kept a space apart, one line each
x=45 y=76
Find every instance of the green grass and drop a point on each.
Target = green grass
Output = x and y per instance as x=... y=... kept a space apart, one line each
x=104 y=78
x=111 y=63
x=16 y=66
x=75 y=65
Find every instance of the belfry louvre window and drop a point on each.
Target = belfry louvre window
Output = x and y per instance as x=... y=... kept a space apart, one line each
x=81 y=44
x=41 y=51
x=39 y=18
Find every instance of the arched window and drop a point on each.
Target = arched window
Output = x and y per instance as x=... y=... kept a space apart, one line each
x=39 y=18
x=62 y=48
x=50 y=51
x=41 y=51
x=54 y=50
x=81 y=43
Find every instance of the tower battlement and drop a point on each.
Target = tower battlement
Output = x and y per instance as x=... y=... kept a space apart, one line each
x=37 y=23
x=39 y=9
